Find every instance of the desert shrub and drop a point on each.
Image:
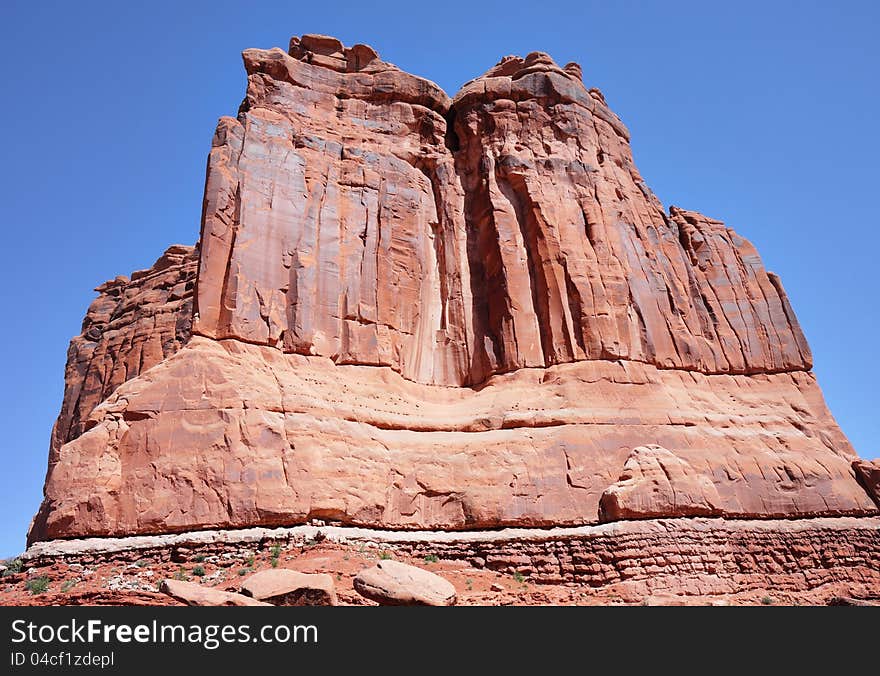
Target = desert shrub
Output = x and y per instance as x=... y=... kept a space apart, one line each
x=37 y=585
x=13 y=566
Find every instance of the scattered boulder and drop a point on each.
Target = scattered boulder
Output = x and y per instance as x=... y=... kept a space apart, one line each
x=392 y=583
x=194 y=594
x=850 y=601
x=665 y=600
x=284 y=587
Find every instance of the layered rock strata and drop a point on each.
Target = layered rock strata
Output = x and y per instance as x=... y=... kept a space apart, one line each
x=225 y=433
x=698 y=556
x=413 y=311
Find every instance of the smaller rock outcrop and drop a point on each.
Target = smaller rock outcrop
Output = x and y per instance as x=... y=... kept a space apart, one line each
x=657 y=482
x=323 y=50
x=868 y=474
x=391 y=583
x=283 y=587
x=194 y=594
x=132 y=325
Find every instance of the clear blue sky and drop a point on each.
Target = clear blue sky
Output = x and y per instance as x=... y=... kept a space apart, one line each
x=762 y=114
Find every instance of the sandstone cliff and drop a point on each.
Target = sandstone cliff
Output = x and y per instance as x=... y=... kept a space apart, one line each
x=364 y=217
x=413 y=311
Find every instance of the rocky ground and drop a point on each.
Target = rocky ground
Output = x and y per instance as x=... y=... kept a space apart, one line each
x=133 y=578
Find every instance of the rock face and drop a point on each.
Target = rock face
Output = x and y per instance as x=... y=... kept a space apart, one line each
x=364 y=217
x=412 y=311
x=225 y=433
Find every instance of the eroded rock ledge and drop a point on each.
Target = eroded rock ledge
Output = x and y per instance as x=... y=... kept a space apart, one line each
x=688 y=556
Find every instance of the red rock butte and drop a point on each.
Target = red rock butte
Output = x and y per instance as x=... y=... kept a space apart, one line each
x=407 y=311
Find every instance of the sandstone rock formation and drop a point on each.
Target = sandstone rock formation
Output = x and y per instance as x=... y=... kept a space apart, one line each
x=365 y=218
x=412 y=311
